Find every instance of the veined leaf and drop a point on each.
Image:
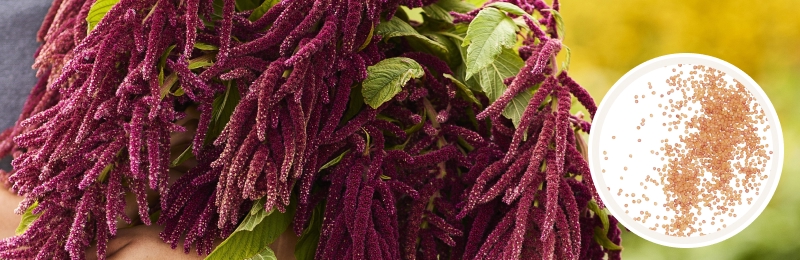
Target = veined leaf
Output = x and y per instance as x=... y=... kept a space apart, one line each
x=98 y=11
x=472 y=83
x=27 y=219
x=489 y=80
x=266 y=254
x=307 y=245
x=334 y=161
x=510 y=8
x=387 y=78
x=439 y=49
x=436 y=12
x=517 y=106
x=488 y=35
x=457 y=36
x=507 y=64
x=453 y=56
x=559 y=23
x=262 y=9
x=205 y=46
x=253 y=236
x=399 y=28
x=456 y=5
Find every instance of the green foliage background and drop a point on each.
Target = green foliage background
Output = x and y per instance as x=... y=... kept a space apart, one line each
x=610 y=37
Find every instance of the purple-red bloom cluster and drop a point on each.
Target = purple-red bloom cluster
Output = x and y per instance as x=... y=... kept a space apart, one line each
x=274 y=110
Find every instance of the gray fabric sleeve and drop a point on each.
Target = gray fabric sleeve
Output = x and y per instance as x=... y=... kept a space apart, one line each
x=19 y=23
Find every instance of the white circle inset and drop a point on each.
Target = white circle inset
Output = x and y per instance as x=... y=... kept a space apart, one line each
x=629 y=132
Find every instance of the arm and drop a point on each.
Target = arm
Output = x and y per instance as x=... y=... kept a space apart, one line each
x=8 y=220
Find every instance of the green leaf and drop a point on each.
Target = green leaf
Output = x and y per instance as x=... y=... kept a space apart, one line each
x=488 y=35
x=510 y=8
x=387 y=78
x=369 y=141
x=386 y=118
x=307 y=245
x=104 y=174
x=355 y=103
x=162 y=62
x=432 y=44
x=489 y=80
x=600 y=213
x=266 y=254
x=221 y=111
x=456 y=5
x=517 y=106
x=202 y=61
x=217 y=5
x=185 y=155
x=457 y=36
x=507 y=64
x=200 y=64
x=333 y=161
x=179 y=92
x=559 y=23
x=464 y=90
x=565 y=64
x=244 y=5
x=262 y=9
x=399 y=28
x=205 y=46
x=436 y=12
x=98 y=11
x=453 y=54
x=603 y=240
x=368 y=40
x=155 y=216
x=27 y=219
x=253 y=236
x=168 y=83
x=401 y=13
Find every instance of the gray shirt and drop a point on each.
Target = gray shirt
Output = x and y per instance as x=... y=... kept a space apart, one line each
x=19 y=23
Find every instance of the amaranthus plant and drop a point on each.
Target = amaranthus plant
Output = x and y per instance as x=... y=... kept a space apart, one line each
x=379 y=129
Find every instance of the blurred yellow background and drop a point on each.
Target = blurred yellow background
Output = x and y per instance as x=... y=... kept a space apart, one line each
x=610 y=37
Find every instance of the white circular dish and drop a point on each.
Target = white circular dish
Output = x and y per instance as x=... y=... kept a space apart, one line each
x=632 y=152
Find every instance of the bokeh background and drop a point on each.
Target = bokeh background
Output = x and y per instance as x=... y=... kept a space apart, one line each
x=610 y=37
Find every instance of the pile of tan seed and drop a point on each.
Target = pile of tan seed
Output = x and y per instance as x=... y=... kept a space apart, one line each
x=717 y=162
